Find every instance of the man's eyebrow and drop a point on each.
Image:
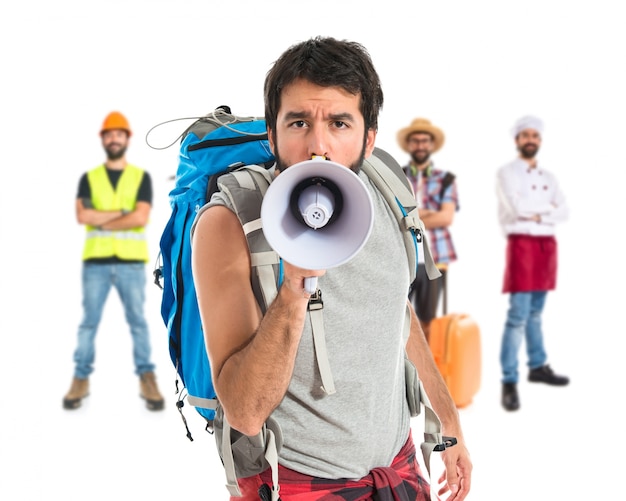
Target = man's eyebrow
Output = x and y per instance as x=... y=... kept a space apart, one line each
x=335 y=117
x=341 y=117
x=296 y=115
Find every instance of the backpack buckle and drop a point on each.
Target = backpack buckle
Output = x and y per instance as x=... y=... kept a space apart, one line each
x=447 y=442
x=315 y=301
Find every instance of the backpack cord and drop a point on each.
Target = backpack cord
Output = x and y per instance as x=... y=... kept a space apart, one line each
x=167 y=122
x=216 y=116
x=179 y=405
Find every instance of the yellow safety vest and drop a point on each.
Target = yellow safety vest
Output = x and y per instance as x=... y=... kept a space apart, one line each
x=125 y=244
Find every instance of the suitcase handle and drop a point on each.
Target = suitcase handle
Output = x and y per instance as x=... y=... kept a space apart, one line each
x=444 y=284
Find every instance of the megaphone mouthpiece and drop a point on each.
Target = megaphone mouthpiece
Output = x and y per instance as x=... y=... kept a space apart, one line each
x=316 y=204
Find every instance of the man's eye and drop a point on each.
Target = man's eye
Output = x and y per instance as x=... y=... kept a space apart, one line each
x=340 y=125
x=299 y=124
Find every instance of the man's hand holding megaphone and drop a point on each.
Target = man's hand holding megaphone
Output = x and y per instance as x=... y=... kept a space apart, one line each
x=316 y=215
x=302 y=282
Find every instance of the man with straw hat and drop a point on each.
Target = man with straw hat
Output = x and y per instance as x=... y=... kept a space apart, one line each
x=436 y=193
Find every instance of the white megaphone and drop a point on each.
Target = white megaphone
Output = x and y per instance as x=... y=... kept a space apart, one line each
x=317 y=214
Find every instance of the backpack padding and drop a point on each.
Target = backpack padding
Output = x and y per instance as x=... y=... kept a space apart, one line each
x=253 y=181
x=391 y=181
x=249 y=184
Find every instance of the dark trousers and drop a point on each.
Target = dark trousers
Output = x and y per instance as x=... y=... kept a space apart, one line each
x=425 y=294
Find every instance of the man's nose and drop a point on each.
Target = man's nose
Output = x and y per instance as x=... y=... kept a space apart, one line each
x=318 y=143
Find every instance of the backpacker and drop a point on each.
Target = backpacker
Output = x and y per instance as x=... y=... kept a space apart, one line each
x=214 y=145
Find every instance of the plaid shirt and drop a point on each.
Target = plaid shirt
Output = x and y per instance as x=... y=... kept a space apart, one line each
x=401 y=481
x=428 y=197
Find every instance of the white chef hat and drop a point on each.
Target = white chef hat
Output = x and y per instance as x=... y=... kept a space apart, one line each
x=527 y=122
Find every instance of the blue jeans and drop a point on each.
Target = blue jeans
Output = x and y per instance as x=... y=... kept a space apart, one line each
x=523 y=321
x=130 y=281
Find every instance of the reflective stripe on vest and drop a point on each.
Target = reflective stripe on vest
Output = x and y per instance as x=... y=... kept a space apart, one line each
x=126 y=244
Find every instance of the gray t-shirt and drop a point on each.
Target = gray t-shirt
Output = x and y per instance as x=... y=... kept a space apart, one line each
x=366 y=422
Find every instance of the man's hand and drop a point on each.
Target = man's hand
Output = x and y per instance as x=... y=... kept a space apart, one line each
x=457 y=475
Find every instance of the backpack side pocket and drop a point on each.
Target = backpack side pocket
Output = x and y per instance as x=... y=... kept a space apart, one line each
x=413 y=396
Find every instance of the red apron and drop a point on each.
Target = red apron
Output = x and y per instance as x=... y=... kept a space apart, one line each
x=531 y=263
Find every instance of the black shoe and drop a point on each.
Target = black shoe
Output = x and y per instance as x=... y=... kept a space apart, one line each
x=510 y=398
x=545 y=374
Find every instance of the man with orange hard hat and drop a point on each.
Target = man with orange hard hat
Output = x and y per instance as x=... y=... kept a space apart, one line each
x=114 y=202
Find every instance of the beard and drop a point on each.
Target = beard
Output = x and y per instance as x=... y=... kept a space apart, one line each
x=355 y=166
x=115 y=151
x=528 y=151
x=420 y=158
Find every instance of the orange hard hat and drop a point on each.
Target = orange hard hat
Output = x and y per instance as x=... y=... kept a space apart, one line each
x=115 y=120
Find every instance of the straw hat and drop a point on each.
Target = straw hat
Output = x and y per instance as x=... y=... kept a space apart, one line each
x=421 y=125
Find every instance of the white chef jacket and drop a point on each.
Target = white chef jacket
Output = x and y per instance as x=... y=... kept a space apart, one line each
x=523 y=192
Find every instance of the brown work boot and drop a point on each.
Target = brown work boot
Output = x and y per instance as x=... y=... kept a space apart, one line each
x=150 y=392
x=78 y=391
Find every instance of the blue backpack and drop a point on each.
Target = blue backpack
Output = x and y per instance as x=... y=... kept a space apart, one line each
x=211 y=146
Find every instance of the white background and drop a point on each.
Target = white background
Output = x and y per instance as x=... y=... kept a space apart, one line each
x=471 y=67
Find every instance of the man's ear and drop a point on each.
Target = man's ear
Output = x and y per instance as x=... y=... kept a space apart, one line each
x=270 y=138
x=370 y=141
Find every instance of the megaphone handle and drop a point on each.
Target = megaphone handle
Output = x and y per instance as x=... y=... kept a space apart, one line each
x=310 y=285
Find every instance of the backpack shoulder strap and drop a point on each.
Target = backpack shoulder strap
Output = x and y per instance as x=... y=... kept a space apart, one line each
x=245 y=188
x=447 y=180
x=265 y=261
x=392 y=182
x=417 y=398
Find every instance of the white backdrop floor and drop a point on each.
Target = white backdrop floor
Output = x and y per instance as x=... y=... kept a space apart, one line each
x=554 y=447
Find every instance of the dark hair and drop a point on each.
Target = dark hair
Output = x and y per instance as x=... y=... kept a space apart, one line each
x=327 y=62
